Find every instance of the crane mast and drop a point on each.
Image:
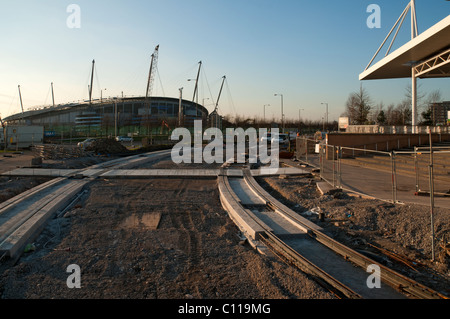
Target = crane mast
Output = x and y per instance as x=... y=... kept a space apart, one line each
x=151 y=78
x=152 y=72
x=92 y=82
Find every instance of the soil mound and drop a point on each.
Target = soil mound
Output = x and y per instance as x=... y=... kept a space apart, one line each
x=107 y=146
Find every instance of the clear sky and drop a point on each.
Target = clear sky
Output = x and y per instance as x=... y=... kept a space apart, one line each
x=312 y=52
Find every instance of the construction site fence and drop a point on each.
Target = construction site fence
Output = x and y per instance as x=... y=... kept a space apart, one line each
x=387 y=175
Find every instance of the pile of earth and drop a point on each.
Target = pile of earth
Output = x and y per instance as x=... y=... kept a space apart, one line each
x=107 y=146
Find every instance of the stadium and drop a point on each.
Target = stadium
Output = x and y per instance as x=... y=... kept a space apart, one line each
x=117 y=116
x=113 y=117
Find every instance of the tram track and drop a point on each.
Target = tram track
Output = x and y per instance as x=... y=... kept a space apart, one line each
x=24 y=216
x=342 y=269
x=267 y=222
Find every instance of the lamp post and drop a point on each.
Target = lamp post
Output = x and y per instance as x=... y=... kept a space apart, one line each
x=299 y=112
x=265 y=111
x=282 y=113
x=101 y=95
x=299 y=118
x=326 y=116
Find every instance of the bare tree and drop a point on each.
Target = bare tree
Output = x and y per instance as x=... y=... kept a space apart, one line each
x=375 y=112
x=358 y=107
x=421 y=103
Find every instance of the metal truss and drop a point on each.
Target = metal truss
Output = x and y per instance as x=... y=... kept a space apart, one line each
x=438 y=66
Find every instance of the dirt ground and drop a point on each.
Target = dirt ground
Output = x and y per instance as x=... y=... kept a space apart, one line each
x=10 y=187
x=171 y=239
x=194 y=252
x=363 y=223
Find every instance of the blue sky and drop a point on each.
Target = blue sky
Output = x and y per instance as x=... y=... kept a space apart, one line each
x=312 y=52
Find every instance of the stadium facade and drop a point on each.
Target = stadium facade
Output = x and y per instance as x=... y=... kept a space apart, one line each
x=113 y=116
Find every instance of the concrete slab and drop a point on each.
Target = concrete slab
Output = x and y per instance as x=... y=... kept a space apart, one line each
x=283 y=209
x=280 y=171
x=248 y=226
x=325 y=188
x=123 y=172
x=244 y=193
x=116 y=173
x=32 y=220
x=40 y=172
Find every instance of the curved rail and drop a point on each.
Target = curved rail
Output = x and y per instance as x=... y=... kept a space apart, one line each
x=393 y=279
x=24 y=216
x=285 y=252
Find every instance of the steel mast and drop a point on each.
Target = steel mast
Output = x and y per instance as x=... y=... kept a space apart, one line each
x=151 y=78
x=216 y=110
x=196 y=87
x=92 y=80
x=151 y=73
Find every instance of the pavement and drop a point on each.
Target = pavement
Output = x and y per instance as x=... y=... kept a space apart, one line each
x=360 y=180
x=12 y=160
x=378 y=184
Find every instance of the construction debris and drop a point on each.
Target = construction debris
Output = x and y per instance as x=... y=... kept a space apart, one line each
x=56 y=152
x=107 y=146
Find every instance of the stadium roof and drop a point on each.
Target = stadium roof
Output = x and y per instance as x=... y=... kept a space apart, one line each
x=429 y=52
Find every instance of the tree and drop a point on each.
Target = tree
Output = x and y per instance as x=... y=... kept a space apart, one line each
x=404 y=113
x=428 y=115
x=358 y=107
x=381 y=118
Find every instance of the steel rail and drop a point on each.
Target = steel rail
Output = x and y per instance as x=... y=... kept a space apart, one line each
x=53 y=193
x=389 y=276
x=285 y=252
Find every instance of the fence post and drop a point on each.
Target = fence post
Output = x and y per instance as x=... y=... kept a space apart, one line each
x=432 y=199
x=334 y=169
x=394 y=178
x=321 y=161
x=416 y=168
x=306 y=150
x=339 y=167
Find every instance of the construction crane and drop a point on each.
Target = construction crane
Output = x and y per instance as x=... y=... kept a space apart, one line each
x=151 y=79
x=220 y=93
x=152 y=72
x=216 y=110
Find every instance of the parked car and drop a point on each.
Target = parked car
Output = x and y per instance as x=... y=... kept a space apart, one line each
x=282 y=138
x=86 y=143
x=124 y=139
x=266 y=137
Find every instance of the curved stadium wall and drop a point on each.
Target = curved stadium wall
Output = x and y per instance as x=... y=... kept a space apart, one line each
x=138 y=116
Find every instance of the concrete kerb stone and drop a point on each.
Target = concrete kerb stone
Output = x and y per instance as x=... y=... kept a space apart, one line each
x=282 y=209
x=32 y=227
x=325 y=188
x=23 y=196
x=249 y=227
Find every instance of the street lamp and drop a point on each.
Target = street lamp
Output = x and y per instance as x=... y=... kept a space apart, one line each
x=299 y=117
x=101 y=95
x=326 y=115
x=265 y=111
x=282 y=113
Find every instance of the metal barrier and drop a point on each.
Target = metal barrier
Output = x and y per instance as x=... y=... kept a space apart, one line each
x=385 y=175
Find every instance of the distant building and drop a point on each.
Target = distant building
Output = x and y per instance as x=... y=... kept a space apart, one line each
x=110 y=116
x=440 y=113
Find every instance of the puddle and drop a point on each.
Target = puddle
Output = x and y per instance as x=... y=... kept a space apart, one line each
x=148 y=221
